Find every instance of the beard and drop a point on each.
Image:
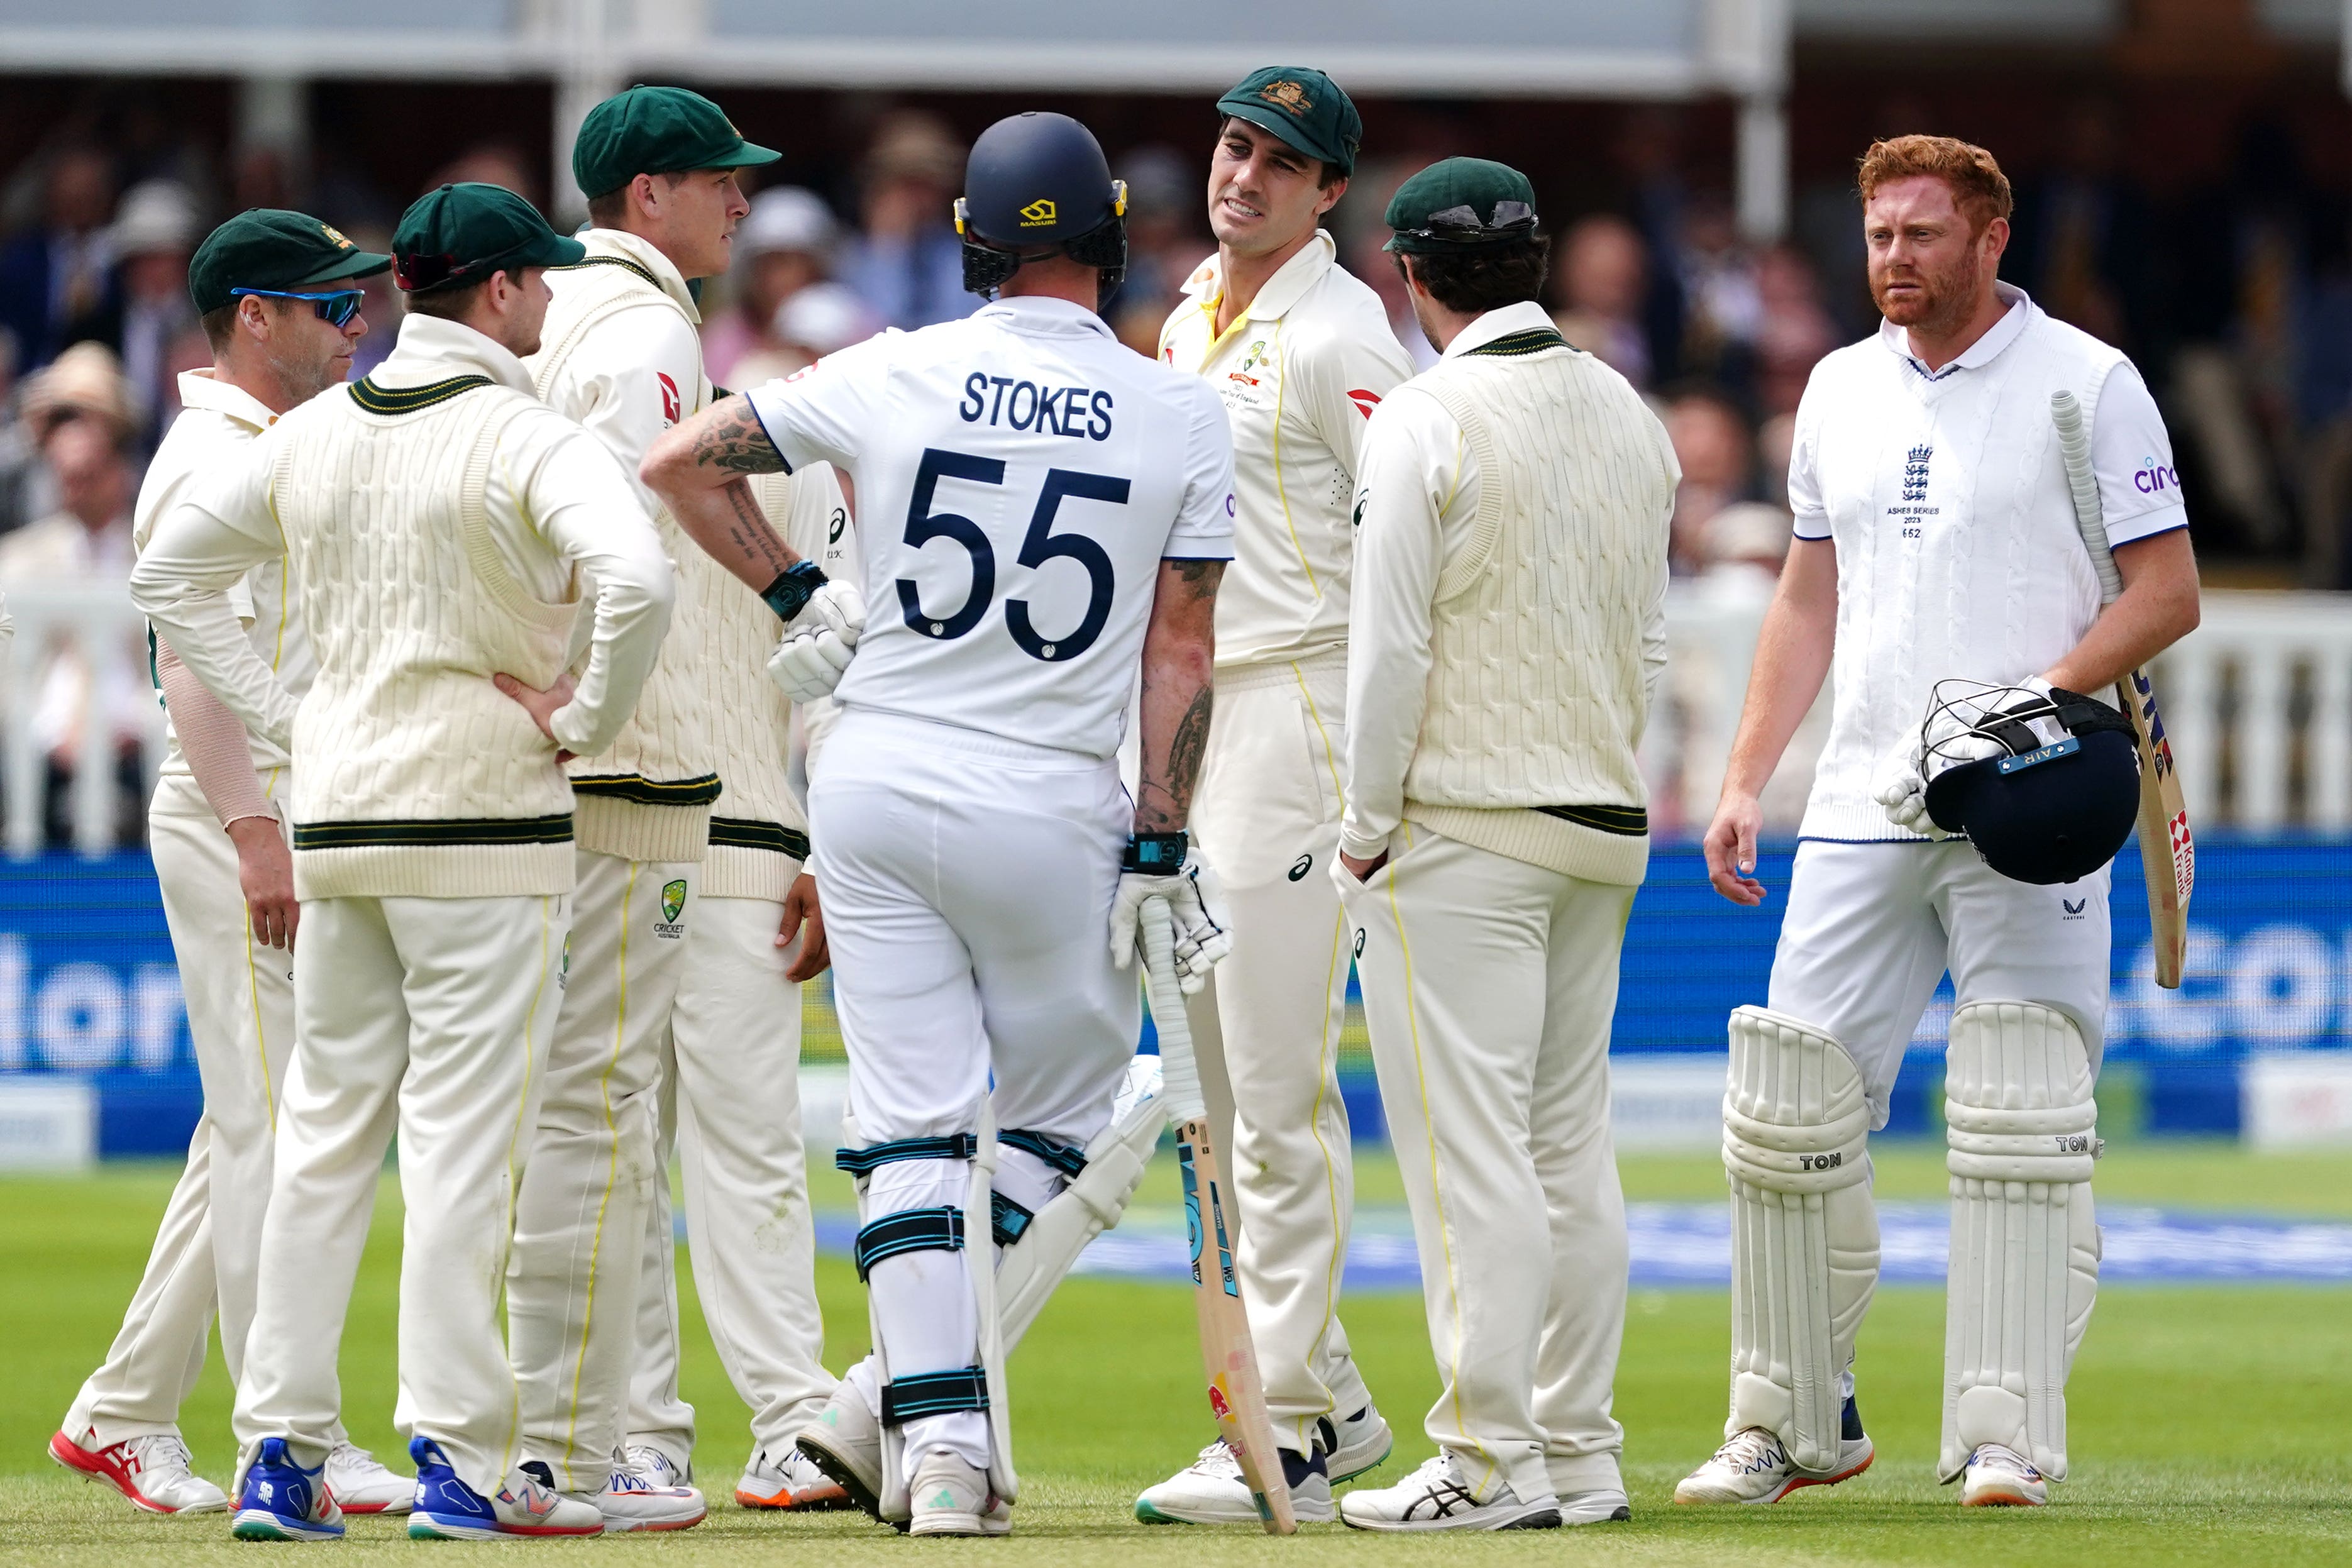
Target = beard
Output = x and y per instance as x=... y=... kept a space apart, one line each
x=1943 y=297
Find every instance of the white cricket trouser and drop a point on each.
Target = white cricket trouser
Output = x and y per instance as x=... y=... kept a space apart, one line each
x=1489 y=986
x=1871 y=928
x=1267 y=1026
x=430 y=1018
x=240 y=998
x=968 y=883
x=579 y=1236
x=736 y=1033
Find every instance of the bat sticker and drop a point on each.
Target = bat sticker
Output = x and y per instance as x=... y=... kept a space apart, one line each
x=1193 y=1234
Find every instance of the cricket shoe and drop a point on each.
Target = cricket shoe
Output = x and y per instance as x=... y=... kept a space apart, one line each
x=448 y=1509
x=2000 y=1478
x=1435 y=1497
x=280 y=1501
x=1604 y=1505
x=950 y=1496
x=362 y=1483
x=788 y=1479
x=1754 y=1466
x=845 y=1441
x=645 y=1492
x=1362 y=1442
x=153 y=1470
x=1210 y=1490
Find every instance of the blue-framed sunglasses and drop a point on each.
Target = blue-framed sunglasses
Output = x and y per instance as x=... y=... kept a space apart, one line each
x=335 y=309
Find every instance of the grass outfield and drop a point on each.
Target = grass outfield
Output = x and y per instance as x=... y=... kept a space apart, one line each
x=2206 y=1422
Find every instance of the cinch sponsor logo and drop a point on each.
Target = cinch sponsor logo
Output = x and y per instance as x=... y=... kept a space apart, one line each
x=2155 y=478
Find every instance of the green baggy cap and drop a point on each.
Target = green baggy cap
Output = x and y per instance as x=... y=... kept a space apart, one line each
x=656 y=131
x=1303 y=107
x=1461 y=204
x=461 y=234
x=268 y=248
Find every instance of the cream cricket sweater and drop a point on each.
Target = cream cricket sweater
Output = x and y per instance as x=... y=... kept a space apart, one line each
x=620 y=355
x=1508 y=627
x=759 y=829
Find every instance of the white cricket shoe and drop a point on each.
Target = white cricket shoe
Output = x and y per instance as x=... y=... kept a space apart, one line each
x=1210 y=1490
x=1604 y=1505
x=1435 y=1497
x=1753 y=1467
x=2002 y=1477
x=788 y=1479
x=1353 y=1445
x=845 y=1441
x=362 y=1483
x=154 y=1470
x=642 y=1495
x=952 y=1497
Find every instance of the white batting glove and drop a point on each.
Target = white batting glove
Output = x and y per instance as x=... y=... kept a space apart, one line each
x=1197 y=907
x=816 y=651
x=1903 y=792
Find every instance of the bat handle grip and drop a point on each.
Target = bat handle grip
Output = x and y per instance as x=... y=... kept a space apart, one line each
x=1180 y=1075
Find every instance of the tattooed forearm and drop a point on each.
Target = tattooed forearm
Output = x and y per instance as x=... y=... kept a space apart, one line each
x=1200 y=576
x=731 y=440
x=751 y=534
x=1180 y=653
x=1167 y=793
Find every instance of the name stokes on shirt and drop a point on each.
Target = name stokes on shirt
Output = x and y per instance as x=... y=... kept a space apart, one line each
x=1001 y=400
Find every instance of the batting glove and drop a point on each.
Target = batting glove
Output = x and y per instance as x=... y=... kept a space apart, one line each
x=1194 y=902
x=815 y=652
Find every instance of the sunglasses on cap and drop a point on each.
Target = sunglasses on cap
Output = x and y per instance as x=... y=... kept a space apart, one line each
x=336 y=309
x=1462 y=225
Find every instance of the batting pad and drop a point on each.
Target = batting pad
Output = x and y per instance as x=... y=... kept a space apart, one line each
x=1028 y=1270
x=2020 y=1123
x=1804 y=1231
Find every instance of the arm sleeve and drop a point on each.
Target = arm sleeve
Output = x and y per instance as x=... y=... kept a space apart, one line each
x=218 y=753
x=1346 y=376
x=571 y=490
x=1410 y=467
x=200 y=551
x=1812 y=518
x=2131 y=456
x=820 y=414
x=629 y=381
x=1204 y=518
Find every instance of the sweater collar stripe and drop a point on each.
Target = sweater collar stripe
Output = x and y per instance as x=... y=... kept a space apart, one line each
x=390 y=400
x=1514 y=345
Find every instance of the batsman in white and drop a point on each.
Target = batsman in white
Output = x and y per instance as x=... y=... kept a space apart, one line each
x=1300 y=352
x=1935 y=539
x=277 y=293
x=1066 y=515
x=439 y=523
x=622 y=355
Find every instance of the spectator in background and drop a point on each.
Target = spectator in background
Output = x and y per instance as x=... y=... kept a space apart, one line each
x=2084 y=245
x=488 y=163
x=383 y=303
x=1603 y=278
x=81 y=683
x=785 y=245
x=1793 y=332
x=1724 y=313
x=1164 y=244
x=907 y=263
x=154 y=234
x=21 y=474
x=56 y=280
x=1368 y=259
x=810 y=324
x=1711 y=442
x=1776 y=442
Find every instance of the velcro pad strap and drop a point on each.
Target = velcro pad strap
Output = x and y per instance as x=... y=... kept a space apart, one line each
x=910 y=1230
x=906 y=1399
x=1008 y=1221
x=859 y=1162
x=1066 y=1158
x=2017 y=1095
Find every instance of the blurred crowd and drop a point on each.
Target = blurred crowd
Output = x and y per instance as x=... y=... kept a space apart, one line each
x=2235 y=298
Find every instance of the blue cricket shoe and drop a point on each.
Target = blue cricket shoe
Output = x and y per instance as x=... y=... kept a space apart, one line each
x=280 y=1501
x=448 y=1509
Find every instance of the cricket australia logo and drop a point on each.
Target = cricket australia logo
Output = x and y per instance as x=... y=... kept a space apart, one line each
x=673 y=903
x=1915 y=473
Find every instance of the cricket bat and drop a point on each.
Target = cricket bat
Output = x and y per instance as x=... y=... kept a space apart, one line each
x=2168 y=853
x=1236 y=1397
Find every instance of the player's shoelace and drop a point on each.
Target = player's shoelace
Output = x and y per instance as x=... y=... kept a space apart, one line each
x=157 y=1451
x=1443 y=1493
x=1749 y=1451
x=1219 y=1462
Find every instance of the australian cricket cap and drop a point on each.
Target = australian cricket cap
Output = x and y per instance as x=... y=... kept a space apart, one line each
x=657 y=130
x=1461 y=204
x=268 y=248
x=459 y=235
x=1303 y=107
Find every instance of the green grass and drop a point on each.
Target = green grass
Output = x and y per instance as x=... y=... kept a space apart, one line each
x=2207 y=1423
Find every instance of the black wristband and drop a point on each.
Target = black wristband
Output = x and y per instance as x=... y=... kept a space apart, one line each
x=1154 y=854
x=789 y=594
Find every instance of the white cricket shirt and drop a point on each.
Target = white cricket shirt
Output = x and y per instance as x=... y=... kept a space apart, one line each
x=1020 y=476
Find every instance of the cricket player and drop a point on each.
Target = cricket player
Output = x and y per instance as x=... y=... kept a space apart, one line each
x=277 y=295
x=1067 y=519
x=1300 y=352
x=1507 y=634
x=1935 y=539
x=438 y=521
x=622 y=355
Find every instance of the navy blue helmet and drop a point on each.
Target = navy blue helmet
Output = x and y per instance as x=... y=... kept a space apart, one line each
x=2059 y=798
x=1038 y=184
